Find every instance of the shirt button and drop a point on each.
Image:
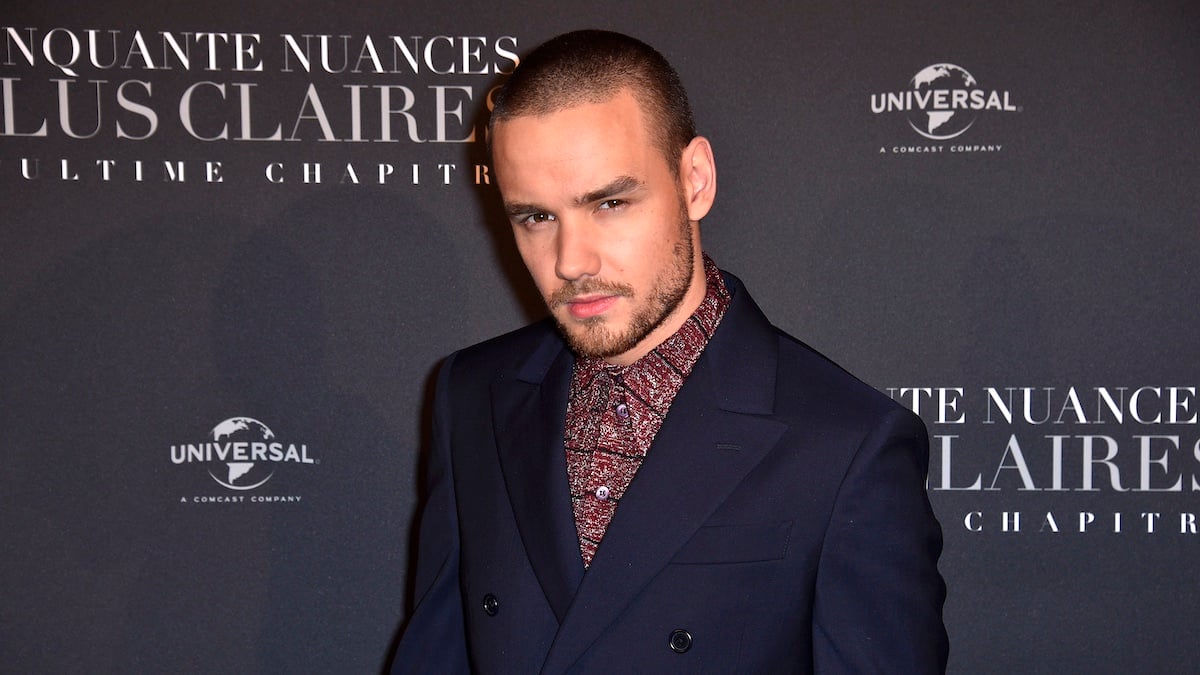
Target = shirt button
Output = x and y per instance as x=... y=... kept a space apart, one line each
x=622 y=411
x=602 y=493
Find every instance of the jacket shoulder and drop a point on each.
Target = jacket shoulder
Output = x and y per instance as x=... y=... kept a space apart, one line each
x=808 y=381
x=806 y=385
x=510 y=352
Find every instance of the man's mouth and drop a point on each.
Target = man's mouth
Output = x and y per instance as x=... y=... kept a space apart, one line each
x=587 y=306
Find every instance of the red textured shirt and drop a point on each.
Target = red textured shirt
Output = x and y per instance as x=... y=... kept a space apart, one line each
x=614 y=413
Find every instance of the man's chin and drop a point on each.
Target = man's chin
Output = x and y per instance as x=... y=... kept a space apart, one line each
x=592 y=338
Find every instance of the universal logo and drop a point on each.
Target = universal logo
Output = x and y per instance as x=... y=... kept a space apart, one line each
x=942 y=102
x=241 y=454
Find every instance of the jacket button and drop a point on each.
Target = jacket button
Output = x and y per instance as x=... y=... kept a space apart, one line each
x=491 y=605
x=680 y=641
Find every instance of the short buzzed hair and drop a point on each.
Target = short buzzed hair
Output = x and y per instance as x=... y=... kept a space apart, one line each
x=592 y=66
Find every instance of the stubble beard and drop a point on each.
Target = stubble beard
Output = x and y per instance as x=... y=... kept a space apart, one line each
x=595 y=337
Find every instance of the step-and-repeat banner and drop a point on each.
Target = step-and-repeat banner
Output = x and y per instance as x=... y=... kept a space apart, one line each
x=264 y=225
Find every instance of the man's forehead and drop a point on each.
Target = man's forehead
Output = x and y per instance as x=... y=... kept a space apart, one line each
x=571 y=141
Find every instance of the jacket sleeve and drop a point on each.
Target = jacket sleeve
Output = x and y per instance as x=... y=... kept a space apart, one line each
x=879 y=596
x=434 y=640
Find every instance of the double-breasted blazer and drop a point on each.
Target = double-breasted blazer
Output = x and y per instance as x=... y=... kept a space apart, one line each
x=778 y=524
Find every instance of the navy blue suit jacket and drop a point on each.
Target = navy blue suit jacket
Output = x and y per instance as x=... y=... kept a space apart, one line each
x=778 y=524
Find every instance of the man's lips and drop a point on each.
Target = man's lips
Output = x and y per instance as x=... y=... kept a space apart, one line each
x=587 y=306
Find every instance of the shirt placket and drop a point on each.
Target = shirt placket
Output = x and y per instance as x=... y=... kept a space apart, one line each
x=608 y=481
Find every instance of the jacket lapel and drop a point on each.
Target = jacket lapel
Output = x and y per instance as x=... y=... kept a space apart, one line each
x=528 y=411
x=715 y=433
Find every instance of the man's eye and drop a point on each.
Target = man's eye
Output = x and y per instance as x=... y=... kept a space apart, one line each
x=612 y=203
x=536 y=218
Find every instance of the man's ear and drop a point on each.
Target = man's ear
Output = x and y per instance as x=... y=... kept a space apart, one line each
x=698 y=177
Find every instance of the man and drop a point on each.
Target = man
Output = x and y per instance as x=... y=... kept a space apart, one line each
x=657 y=480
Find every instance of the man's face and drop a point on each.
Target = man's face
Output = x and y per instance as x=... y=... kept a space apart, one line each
x=602 y=224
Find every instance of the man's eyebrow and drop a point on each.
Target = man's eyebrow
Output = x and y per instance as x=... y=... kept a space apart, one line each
x=620 y=186
x=513 y=209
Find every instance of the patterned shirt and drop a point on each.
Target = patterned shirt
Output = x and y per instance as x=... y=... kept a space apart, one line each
x=614 y=413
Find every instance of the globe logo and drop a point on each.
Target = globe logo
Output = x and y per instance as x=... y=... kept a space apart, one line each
x=947 y=118
x=241 y=453
x=241 y=471
x=942 y=102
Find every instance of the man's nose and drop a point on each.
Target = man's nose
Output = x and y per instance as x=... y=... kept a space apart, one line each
x=577 y=255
